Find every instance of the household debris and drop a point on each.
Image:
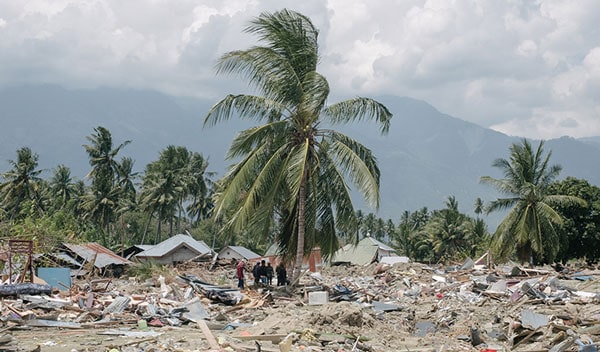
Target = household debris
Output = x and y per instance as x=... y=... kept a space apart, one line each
x=378 y=307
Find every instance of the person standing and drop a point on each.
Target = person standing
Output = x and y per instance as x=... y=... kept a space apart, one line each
x=262 y=272
x=255 y=273
x=281 y=275
x=269 y=274
x=240 y=273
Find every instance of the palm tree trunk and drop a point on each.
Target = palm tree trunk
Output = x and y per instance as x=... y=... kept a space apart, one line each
x=301 y=227
x=146 y=227
x=179 y=218
x=157 y=231
x=524 y=253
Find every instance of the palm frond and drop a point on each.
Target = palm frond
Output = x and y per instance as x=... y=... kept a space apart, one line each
x=358 y=109
x=315 y=90
x=359 y=164
x=246 y=141
x=297 y=167
x=292 y=35
x=267 y=71
x=247 y=106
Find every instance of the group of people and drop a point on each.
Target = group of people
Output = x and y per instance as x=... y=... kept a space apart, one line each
x=263 y=273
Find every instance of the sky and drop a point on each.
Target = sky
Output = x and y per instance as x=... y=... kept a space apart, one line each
x=525 y=68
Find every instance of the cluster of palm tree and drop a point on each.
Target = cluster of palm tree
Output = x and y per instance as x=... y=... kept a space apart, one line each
x=441 y=235
x=174 y=186
x=372 y=225
x=175 y=189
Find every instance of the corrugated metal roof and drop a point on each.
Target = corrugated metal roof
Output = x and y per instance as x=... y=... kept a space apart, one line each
x=370 y=240
x=104 y=256
x=169 y=245
x=243 y=251
x=67 y=258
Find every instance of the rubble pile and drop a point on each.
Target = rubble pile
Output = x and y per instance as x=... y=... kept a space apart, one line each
x=379 y=307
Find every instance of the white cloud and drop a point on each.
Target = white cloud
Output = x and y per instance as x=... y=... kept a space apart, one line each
x=523 y=67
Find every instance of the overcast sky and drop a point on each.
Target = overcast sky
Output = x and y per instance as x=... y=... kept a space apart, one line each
x=527 y=68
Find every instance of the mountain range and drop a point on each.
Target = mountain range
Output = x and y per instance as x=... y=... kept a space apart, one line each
x=426 y=157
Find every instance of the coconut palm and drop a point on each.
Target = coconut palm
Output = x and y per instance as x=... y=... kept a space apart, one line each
x=292 y=168
x=532 y=222
x=61 y=187
x=478 y=207
x=410 y=236
x=102 y=203
x=199 y=185
x=450 y=232
x=126 y=178
x=100 y=206
x=102 y=154
x=22 y=184
x=159 y=197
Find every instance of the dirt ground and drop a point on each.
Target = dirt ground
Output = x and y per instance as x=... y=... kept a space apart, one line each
x=405 y=307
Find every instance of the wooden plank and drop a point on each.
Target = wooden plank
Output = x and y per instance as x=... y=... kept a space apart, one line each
x=208 y=334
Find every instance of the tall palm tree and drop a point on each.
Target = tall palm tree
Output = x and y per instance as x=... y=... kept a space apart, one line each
x=292 y=164
x=166 y=185
x=478 y=207
x=389 y=229
x=531 y=224
x=199 y=185
x=125 y=183
x=102 y=154
x=21 y=184
x=100 y=206
x=102 y=203
x=61 y=187
x=126 y=178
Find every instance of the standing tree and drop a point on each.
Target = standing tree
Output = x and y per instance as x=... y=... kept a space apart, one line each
x=61 y=187
x=22 y=184
x=199 y=187
x=101 y=204
x=409 y=237
x=450 y=232
x=581 y=228
x=162 y=187
x=292 y=165
x=531 y=224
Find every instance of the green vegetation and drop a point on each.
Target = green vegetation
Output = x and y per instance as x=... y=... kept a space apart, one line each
x=532 y=226
x=441 y=235
x=149 y=269
x=580 y=233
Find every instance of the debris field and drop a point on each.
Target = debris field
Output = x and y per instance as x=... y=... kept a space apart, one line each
x=379 y=307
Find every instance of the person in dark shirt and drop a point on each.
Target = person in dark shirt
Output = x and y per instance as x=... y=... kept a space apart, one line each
x=281 y=275
x=262 y=272
x=255 y=273
x=269 y=274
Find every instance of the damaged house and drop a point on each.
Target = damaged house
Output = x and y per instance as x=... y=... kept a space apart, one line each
x=177 y=249
x=367 y=251
x=84 y=257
